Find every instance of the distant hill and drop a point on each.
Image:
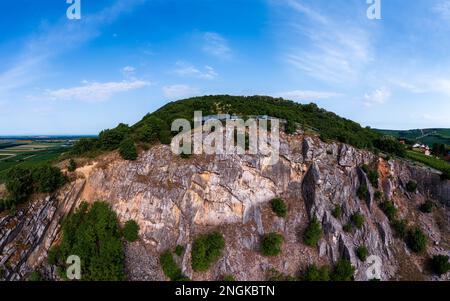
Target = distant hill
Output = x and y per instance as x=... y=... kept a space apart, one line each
x=425 y=136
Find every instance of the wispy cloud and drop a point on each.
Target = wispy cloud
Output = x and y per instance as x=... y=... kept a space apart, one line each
x=94 y=91
x=179 y=91
x=327 y=49
x=442 y=8
x=378 y=97
x=307 y=95
x=188 y=70
x=216 y=45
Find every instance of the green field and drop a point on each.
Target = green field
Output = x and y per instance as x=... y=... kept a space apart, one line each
x=429 y=161
x=425 y=136
x=27 y=154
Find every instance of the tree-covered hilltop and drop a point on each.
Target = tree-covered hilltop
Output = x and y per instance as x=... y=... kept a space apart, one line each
x=156 y=126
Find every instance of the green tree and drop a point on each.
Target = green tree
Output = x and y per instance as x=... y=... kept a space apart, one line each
x=416 y=240
x=48 y=179
x=411 y=186
x=72 y=165
x=131 y=231
x=279 y=207
x=362 y=253
x=169 y=267
x=313 y=233
x=357 y=220
x=314 y=273
x=271 y=244
x=337 y=212
x=440 y=264
x=128 y=150
x=206 y=250
x=343 y=271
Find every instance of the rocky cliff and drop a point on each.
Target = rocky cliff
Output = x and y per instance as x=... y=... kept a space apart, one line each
x=174 y=199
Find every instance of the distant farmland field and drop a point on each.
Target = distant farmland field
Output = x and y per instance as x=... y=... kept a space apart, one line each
x=27 y=155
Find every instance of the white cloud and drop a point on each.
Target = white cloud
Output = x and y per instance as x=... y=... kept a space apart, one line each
x=326 y=49
x=216 y=45
x=443 y=9
x=185 y=69
x=377 y=97
x=95 y=91
x=179 y=91
x=128 y=69
x=308 y=95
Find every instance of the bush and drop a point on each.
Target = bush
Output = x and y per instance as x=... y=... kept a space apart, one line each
x=111 y=139
x=416 y=240
x=439 y=264
x=93 y=233
x=348 y=227
x=400 y=227
x=365 y=168
x=314 y=273
x=35 y=276
x=411 y=186
x=373 y=178
x=337 y=212
x=72 y=165
x=279 y=207
x=313 y=233
x=389 y=210
x=271 y=244
x=378 y=195
x=131 y=231
x=128 y=150
x=48 y=178
x=362 y=253
x=84 y=146
x=427 y=207
x=390 y=145
x=343 y=271
x=19 y=184
x=228 y=278
x=362 y=192
x=165 y=137
x=206 y=250
x=275 y=275
x=357 y=220
x=179 y=250
x=169 y=267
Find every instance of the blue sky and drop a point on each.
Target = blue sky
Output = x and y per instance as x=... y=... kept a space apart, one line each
x=125 y=58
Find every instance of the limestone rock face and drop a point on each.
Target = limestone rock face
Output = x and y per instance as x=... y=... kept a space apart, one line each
x=175 y=199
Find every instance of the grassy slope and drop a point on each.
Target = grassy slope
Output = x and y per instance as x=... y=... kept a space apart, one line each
x=431 y=135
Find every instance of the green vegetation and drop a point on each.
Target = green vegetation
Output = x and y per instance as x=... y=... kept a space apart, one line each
x=373 y=177
x=378 y=195
x=343 y=271
x=131 y=231
x=271 y=244
x=337 y=212
x=390 y=145
x=348 y=227
x=357 y=220
x=35 y=276
x=275 y=275
x=439 y=264
x=228 y=278
x=313 y=233
x=362 y=192
x=128 y=150
x=179 y=250
x=169 y=267
x=22 y=182
x=314 y=273
x=206 y=250
x=279 y=207
x=362 y=253
x=389 y=209
x=72 y=165
x=93 y=234
x=435 y=163
x=427 y=207
x=425 y=136
x=400 y=227
x=411 y=186
x=416 y=240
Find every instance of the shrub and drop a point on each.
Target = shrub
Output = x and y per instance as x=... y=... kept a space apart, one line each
x=19 y=184
x=112 y=138
x=128 y=150
x=400 y=227
x=313 y=233
x=271 y=244
x=48 y=178
x=85 y=145
x=206 y=249
x=362 y=253
x=337 y=212
x=427 y=207
x=348 y=228
x=439 y=264
x=165 y=137
x=228 y=278
x=93 y=233
x=343 y=271
x=362 y=192
x=275 y=275
x=357 y=220
x=365 y=168
x=411 y=186
x=279 y=207
x=169 y=267
x=131 y=231
x=378 y=195
x=389 y=210
x=314 y=273
x=179 y=250
x=35 y=276
x=72 y=165
x=416 y=240
x=390 y=145
x=373 y=178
